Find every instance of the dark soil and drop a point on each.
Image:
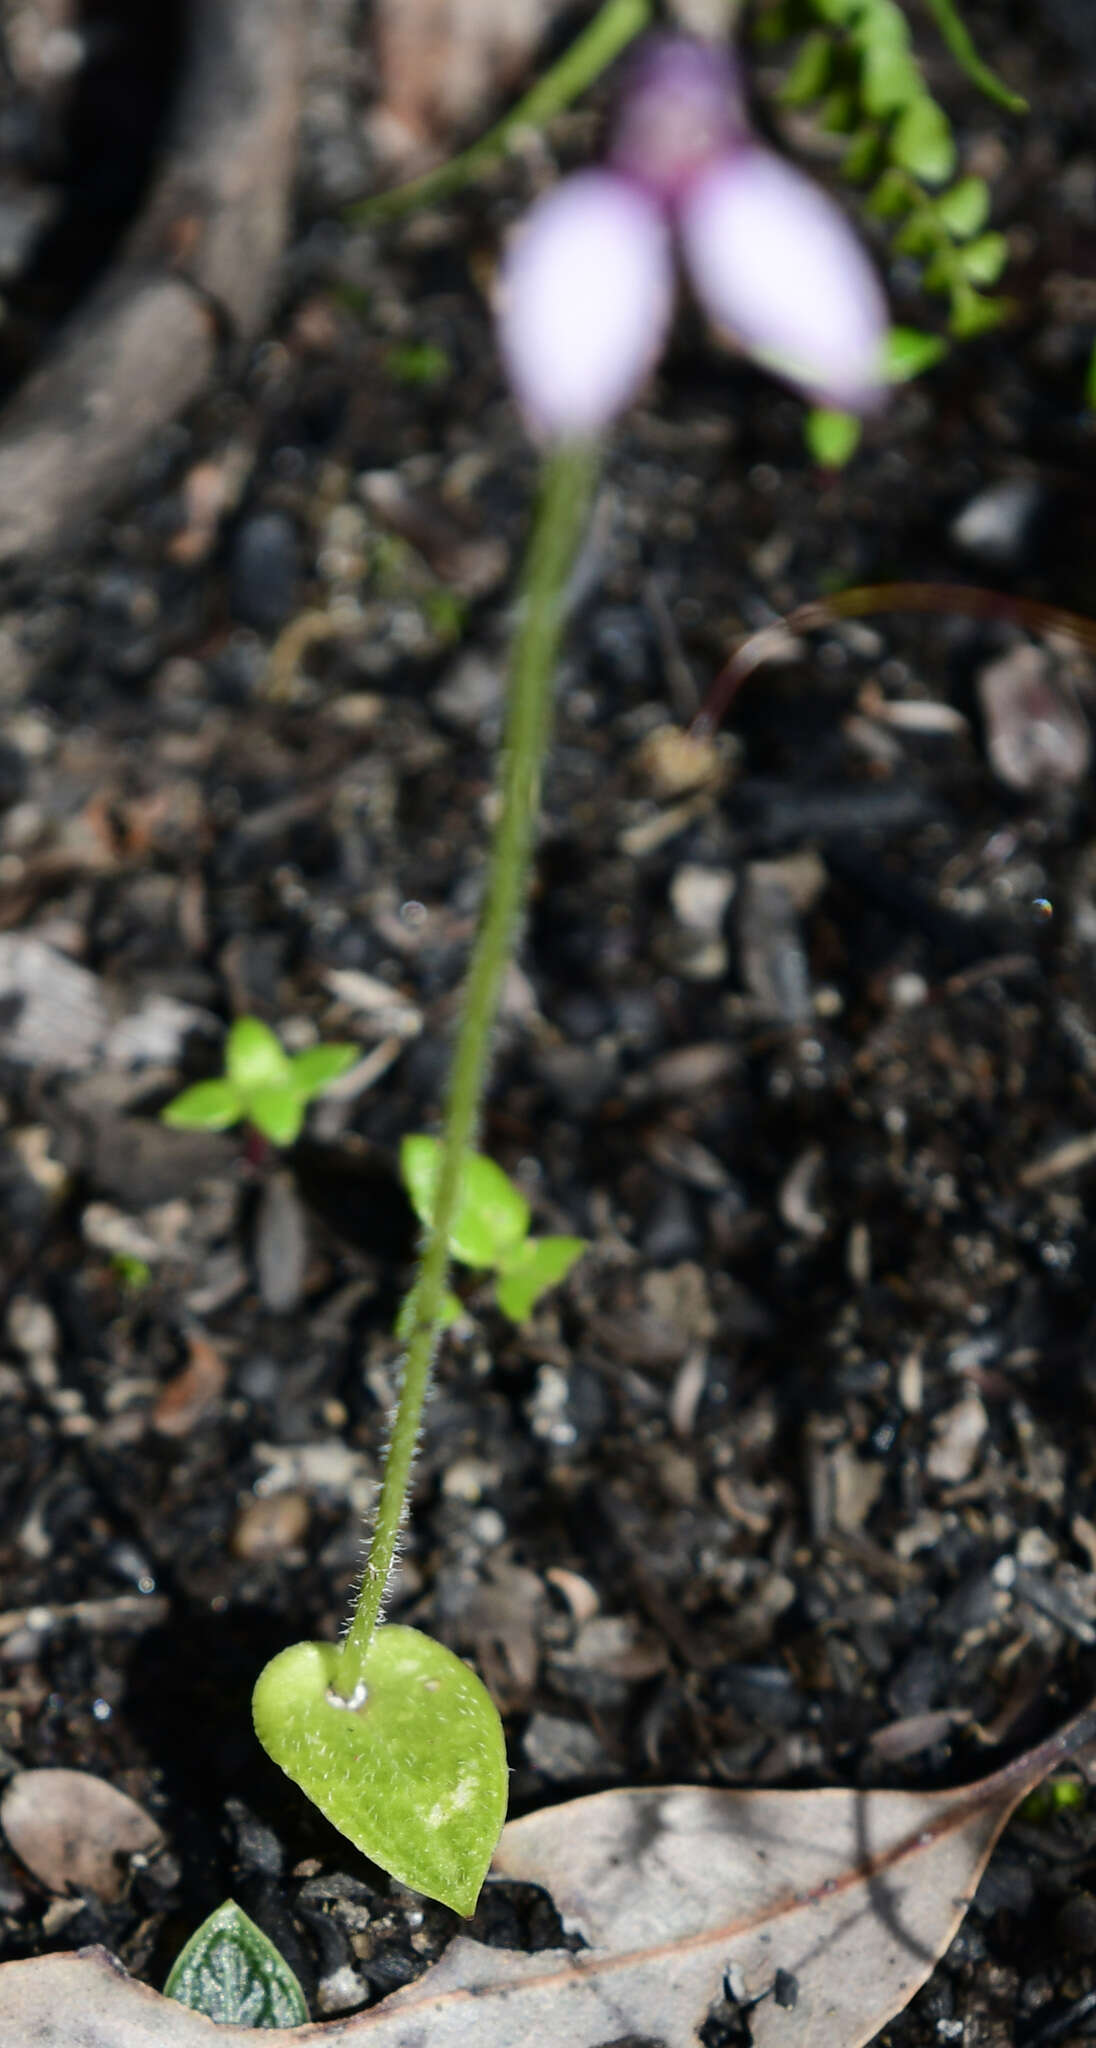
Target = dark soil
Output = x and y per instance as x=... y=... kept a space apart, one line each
x=795 y=1480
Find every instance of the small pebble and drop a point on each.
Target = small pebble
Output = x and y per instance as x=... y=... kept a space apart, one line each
x=958 y=1436
x=281 y=1245
x=699 y=898
x=267 y=1528
x=1037 y=736
x=263 y=571
x=343 y=1989
x=997 y=526
x=563 y=1750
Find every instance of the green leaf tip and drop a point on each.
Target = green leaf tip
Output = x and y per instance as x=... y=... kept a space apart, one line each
x=537 y=1265
x=254 y=1057
x=232 y=1973
x=413 y=1772
x=832 y=437
x=207 y=1106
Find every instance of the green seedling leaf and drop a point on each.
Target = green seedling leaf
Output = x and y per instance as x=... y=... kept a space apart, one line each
x=920 y=234
x=254 y=1058
x=208 y=1106
x=278 y=1112
x=964 y=210
x=971 y=314
x=132 y=1274
x=810 y=73
x=414 y=1774
x=890 y=79
x=910 y=352
x=982 y=262
x=230 y=1972
x=943 y=270
x=418 y=363
x=922 y=141
x=537 y=1265
x=492 y=1214
x=832 y=437
x=313 y=1071
x=862 y=156
x=892 y=196
x=840 y=111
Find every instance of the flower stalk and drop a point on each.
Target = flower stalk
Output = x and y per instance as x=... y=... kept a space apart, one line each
x=566 y=486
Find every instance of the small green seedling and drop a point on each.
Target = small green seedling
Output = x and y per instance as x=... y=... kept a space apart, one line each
x=1055 y=1796
x=233 y=1974
x=490 y=1231
x=262 y=1083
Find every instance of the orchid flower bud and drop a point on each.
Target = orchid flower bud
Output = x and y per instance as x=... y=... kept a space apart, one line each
x=681 y=108
x=585 y=297
x=775 y=263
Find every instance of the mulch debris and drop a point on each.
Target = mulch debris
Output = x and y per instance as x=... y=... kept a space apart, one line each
x=794 y=1481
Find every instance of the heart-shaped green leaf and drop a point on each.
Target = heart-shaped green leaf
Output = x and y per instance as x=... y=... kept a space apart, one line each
x=233 y=1973
x=414 y=1773
x=492 y=1214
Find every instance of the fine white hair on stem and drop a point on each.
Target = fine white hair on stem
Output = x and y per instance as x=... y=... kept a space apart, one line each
x=586 y=293
x=775 y=263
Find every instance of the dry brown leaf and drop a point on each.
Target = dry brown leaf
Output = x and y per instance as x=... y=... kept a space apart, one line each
x=852 y=1896
x=75 y=1832
x=183 y=1403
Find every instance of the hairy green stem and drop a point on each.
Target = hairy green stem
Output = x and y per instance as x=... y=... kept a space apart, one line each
x=614 y=26
x=560 y=517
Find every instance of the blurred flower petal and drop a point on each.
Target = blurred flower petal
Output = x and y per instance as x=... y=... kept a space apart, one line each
x=586 y=294
x=681 y=108
x=775 y=263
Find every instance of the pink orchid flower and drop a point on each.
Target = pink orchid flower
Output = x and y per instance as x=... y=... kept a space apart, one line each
x=587 y=286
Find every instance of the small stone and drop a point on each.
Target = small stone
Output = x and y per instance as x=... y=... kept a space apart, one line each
x=75 y=1832
x=281 y=1245
x=263 y=571
x=342 y=1990
x=52 y=1012
x=32 y=1328
x=997 y=526
x=774 y=961
x=699 y=898
x=470 y=695
x=1036 y=734
x=671 y=763
x=958 y=1436
x=156 y=1034
x=268 y=1527
x=564 y=1750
